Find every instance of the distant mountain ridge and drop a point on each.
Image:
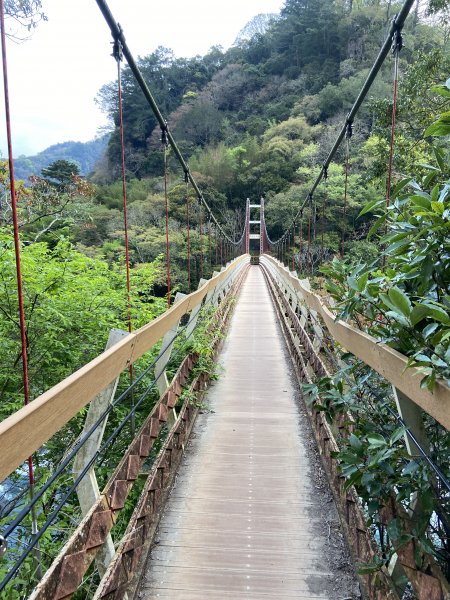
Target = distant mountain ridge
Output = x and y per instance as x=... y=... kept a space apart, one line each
x=84 y=154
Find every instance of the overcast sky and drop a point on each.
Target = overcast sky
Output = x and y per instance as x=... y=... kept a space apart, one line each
x=55 y=75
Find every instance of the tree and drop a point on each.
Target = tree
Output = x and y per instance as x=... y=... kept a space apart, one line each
x=61 y=173
x=25 y=14
x=256 y=27
x=45 y=208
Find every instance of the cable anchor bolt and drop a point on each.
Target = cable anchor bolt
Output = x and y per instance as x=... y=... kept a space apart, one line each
x=117 y=52
x=397 y=38
x=349 y=130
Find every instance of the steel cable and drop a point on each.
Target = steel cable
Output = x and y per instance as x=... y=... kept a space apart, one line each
x=118 y=35
x=391 y=42
x=18 y=265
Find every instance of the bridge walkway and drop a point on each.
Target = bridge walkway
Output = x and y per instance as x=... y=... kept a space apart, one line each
x=244 y=518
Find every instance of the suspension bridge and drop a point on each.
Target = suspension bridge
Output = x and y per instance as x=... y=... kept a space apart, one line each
x=218 y=491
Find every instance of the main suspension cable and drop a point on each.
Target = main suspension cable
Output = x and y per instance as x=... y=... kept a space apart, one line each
x=117 y=34
x=391 y=42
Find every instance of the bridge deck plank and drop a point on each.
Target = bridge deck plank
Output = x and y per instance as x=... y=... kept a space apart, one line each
x=242 y=520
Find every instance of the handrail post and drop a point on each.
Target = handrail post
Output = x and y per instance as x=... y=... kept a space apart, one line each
x=166 y=348
x=87 y=490
x=162 y=381
x=195 y=312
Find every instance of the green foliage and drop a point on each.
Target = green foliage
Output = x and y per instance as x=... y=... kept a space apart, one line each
x=406 y=302
x=373 y=458
x=46 y=209
x=61 y=173
x=441 y=127
x=247 y=119
x=84 y=155
x=71 y=303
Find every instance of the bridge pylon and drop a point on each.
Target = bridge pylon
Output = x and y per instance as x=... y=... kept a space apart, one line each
x=255 y=227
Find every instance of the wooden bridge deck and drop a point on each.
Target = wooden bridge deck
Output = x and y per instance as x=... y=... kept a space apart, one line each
x=243 y=519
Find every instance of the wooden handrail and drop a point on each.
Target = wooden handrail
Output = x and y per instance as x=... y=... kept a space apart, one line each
x=24 y=432
x=392 y=365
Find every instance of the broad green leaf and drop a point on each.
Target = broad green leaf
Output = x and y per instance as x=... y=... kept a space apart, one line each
x=376 y=226
x=444 y=192
x=422 y=358
x=398 y=317
x=371 y=206
x=438 y=313
x=376 y=440
x=429 y=329
x=368 y=568
x=353 y=480
x=430 y=178
x=362 y=281
x=352 y=284
x=399 y=186
x=440 y=127
x=394 y=529
x=421 y=201
x=398 y=247
x=438 y=207
x=439 y=154
x=400 y=301
x=355 y=443
x=434 y=194
x=410 y=468
x=397 y=434
x=441 y=89
x=418 y=313
x=428 y=167
x=438 y=362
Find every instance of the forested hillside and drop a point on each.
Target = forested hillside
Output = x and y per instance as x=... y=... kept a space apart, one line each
x=256 y=120
x=84 y=155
